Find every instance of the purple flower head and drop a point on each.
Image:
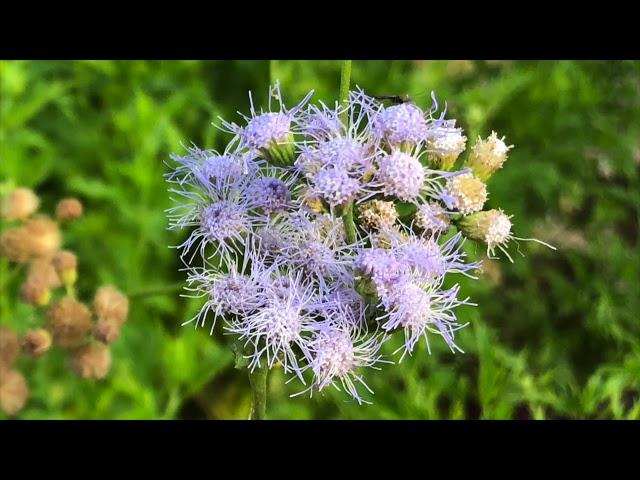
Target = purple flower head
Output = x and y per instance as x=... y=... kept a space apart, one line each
x=381 y=266
x=419 y=308
x=279 y=329
x=344 y=305
x=427 y=259
x=270 y=194
x=315 y=247
x=403 y=124
x=335 y=186
x=266 y=130
x=238 y=292
x=336 y=357
x=401 y=175
x=321 y=124
x=221 y=217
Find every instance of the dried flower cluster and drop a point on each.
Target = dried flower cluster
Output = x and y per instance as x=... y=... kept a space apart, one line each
x=320 y=232
x=33 y=242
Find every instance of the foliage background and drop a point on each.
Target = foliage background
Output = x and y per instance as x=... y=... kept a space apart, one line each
x=556 y=334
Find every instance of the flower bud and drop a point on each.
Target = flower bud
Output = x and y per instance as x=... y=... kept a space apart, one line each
x=35 y=293
x=36 y=343
x=377 y=214
x=19 y=204
x=9 y=347
x=69 y=209
x=492 y=227
x=14 y=391
x=66 y=265
x=111 y=304
x=488 y=156
x=43 y=237
x=465 y=193
x=69 y=321
x=92 y=361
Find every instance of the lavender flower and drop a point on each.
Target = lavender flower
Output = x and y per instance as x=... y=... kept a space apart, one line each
x=300 y=269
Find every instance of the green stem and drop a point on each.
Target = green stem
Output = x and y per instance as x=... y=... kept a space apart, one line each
x=258 y=380
x=272 y=72
x=345 y=82
x=349 y=223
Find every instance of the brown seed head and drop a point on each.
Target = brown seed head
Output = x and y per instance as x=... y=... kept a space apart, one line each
x=92 y=361
x=69 y=209
x=9 y=347
x=66 y=265
x=107 y=330
x=44 y=238
x=14 y=391
x=35 y=293
x=36 y=343
x=42 y=270
x=19 y=204
x=14 y=244
x=69 y=321
x=111 y=304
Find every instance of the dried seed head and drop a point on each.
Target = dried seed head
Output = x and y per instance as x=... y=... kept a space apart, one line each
x=19 y=204
x=377 y=214
x=92 y=361
x=36 y=343
x=68 y=209
x=66 y=265
x=107 y=330
x=488 y=156
x=9 y=347
x=43 y=237
x=35 y=293
x=14 y=391
x=466 y=193
x=42 y=271
x=14 y=244
x=69 y=322
x=111 y=304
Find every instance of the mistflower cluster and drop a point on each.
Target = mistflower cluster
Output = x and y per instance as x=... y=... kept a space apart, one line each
x=298 y=245
x=34 y=241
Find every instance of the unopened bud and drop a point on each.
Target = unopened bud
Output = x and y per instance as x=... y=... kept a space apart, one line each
x=492 y=227
x=19 y=204
x=465 y=193
x=488 y=156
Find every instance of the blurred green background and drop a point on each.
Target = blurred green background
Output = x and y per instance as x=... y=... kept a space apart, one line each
x=556 y=335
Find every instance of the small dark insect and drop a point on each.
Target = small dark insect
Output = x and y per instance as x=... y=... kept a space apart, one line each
x=396 y=99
